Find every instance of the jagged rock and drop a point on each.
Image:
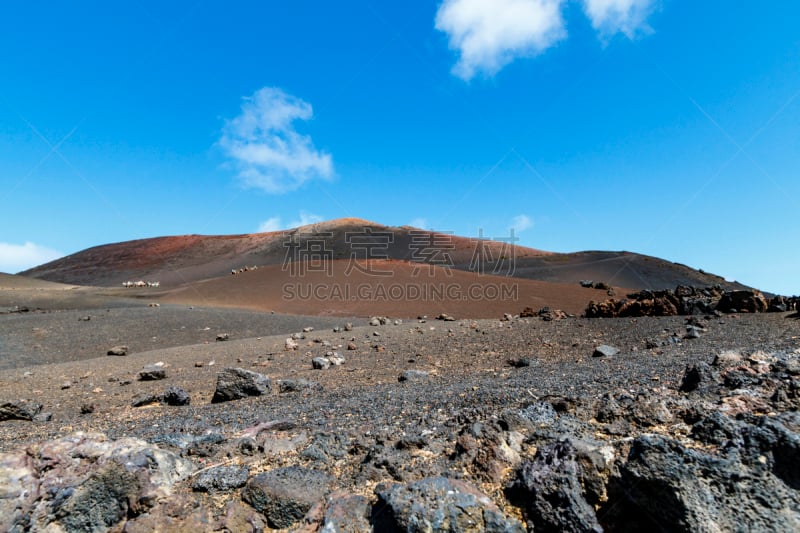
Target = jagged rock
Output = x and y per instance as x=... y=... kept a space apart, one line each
x=19 y=410
x=118 y=350
x=222 y=337
x=346 y=513
x=529 y=417
x=152 y=373
x=84 y=483
x=175 y=396
x=605 y=350
x=742 y=302
x=550 y=489
x=438 y=504
x=666 y=486
x=694 y=376
x=285 y=495
x=321 y=363
x=140 y=400
x=221 y=478
x=237 y=383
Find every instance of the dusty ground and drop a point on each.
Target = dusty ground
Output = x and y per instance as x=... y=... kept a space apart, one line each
x=468 y=361
x=361 y=425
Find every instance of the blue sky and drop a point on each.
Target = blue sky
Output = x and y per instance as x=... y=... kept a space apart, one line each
x=662 y=127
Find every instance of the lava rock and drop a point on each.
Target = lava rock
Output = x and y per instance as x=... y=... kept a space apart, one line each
x=297 y=385
x=19 y=410
x=285 y=495
x=346 y=512
x=550 y=490
x=238 y=383
x=221 y=479
x=152 y=373
x=321 y=363
x=666 y=486
x=438 y=504
x=743 y=302
x=175 y=396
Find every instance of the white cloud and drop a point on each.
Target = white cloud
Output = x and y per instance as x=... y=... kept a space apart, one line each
x=18 y=257
x=304 y=218
x=609 y=17
x=419 y=223
x=267 y=151
x=520 y=223
x=269 y=225
x=490 y=35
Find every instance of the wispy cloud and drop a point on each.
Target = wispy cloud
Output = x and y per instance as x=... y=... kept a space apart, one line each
x=269 y=225
x=18 y=257
x=520 y=223
x=490 y=35
x=610 y=17
x=419 y=223
x=265 y=147
x=304 y=218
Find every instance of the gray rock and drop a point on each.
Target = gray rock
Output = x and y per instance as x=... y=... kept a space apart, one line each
x=285 y=495
x=140 y=400
x=118 y=350
x=549 y=488
x=346 y=513
x=19 y=410
x=222 y=337
x=238 y=383
x=321 y=363
x=666 y=486
x=413 y=375
x=297 y=385
x=438 y=504
x=175 y=396
x=152 y=373
x=604 y=350
x=84 y=483
x=221 y=479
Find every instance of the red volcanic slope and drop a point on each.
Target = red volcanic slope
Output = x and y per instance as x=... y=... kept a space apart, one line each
x=184 y=259
x=407 y=290
x=175 y=261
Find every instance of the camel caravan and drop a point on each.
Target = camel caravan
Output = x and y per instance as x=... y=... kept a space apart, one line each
x=140 y=283
x=235 y=272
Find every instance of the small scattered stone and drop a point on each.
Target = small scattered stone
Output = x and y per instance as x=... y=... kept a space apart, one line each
x=604 y=350
x=413 y=375
x=152 y=373
x=19 y=410
x=238 y=383
x=118 y=350
x=297 y=385
x=291 y=344
x=222 y=337
x=321 y=363
x=176 y=396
